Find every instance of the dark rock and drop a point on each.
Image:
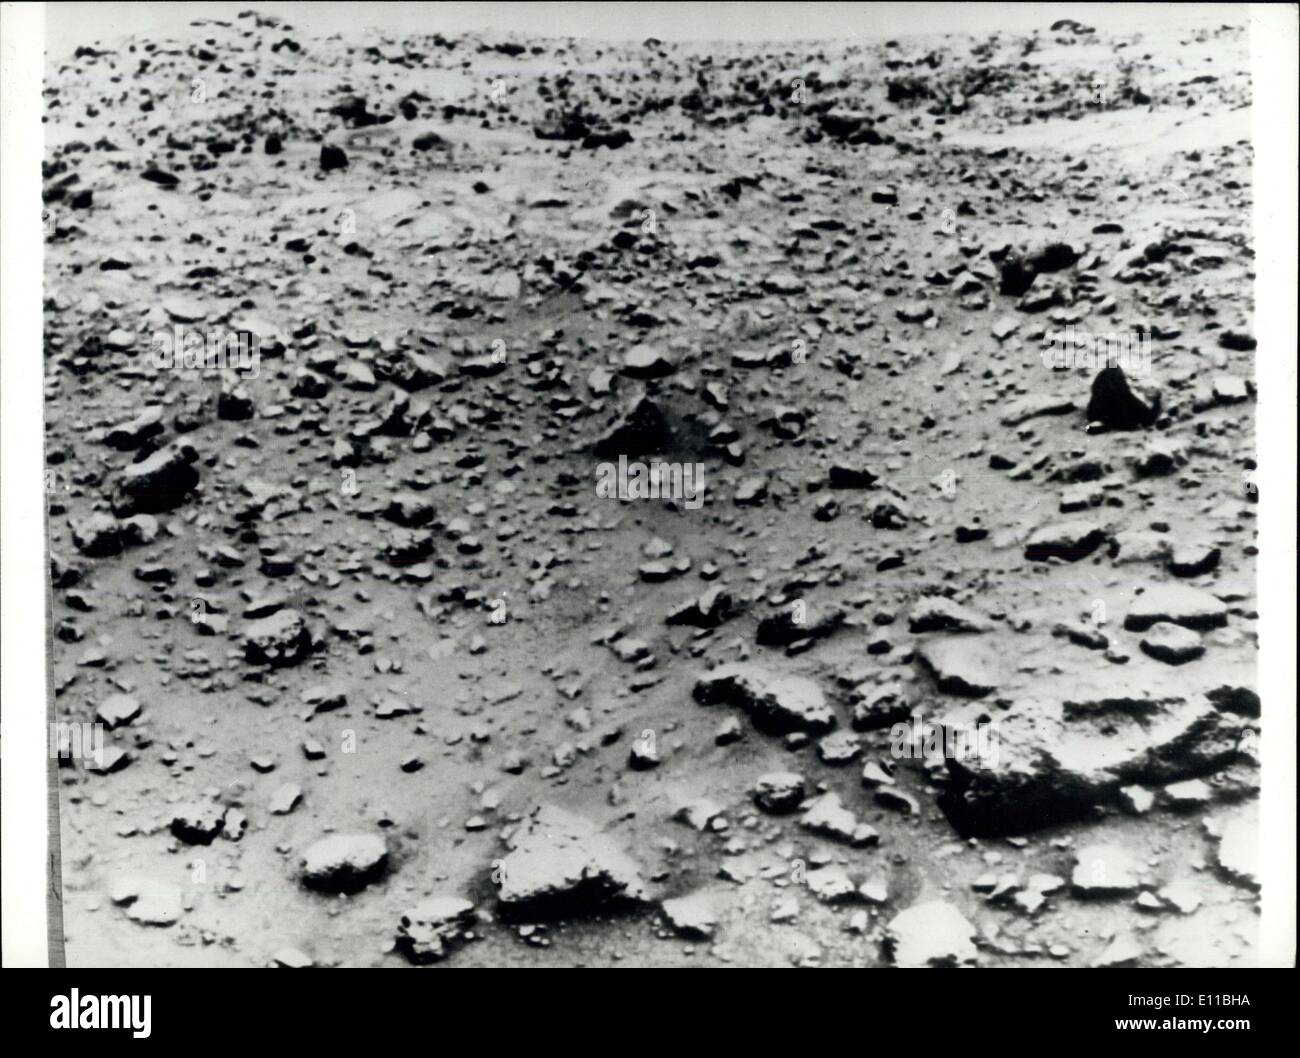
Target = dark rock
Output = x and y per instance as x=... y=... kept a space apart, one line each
x=1114 y=404
x=197 y=824
x=160 y=483
x=641 y=429
x=434 y=928
x=278 y=640
x=332 y=158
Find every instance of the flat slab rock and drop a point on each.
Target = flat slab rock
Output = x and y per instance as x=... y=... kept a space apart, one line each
x=1176 y=604
x=344 y=863
x=1069 y=540
x=934 y=933
x=1073 y=741
x=968 y=666
x=645 y=361
x=1032 y=407
x=934 y=613
x=147 y=901
x=694 y=916
x=1172 y=644
x=560 y=862
x=1106 y=869
x=777 y=703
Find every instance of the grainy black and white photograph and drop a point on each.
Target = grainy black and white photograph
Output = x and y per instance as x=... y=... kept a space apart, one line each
x=702 y=485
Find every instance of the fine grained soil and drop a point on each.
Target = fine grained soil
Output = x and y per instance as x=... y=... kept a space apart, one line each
x=857 y=218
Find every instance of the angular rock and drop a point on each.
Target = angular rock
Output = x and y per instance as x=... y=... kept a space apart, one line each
x=934 y=933
x=779 y=792
x=694 y=916
x=843 y=476
x=278 y=640
x=783 y=627
x=709 y=610
x=434 y=927
x=879 y=706
x=831 y=885
x=197 y=823
x=827 y=817
x=934 y=613
x=1069 y=540
x=332 y=158
x=777 y=703
x=148 y=902
x=641 y=429
x=961 y=665
x=118 y=710
x=1114 y=403
x=1051 y=759
x=560 y=862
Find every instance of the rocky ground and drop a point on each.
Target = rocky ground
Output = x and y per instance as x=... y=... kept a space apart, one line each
x=386 y=682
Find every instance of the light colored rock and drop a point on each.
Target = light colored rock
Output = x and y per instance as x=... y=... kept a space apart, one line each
x=148 y=902
x=118 y=710
x=962 y=665
x=1177 y=604
x=1172 y=644
x=694 y=915
x=777 y=703
x=557 y=858
x=344 y=863
x=1105 y=869
x=934 y=933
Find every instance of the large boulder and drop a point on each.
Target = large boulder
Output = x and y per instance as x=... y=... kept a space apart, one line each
x=561 y=863
x=1070 y=743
